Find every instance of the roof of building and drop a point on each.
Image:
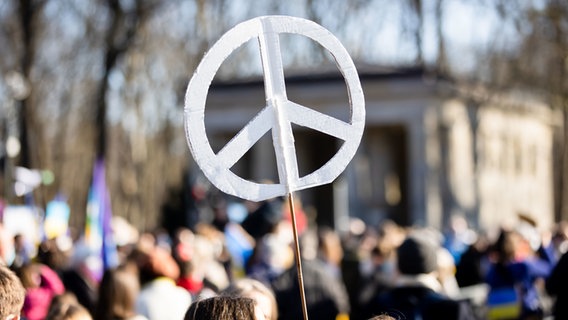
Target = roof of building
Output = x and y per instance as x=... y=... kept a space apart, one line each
x=366 y=72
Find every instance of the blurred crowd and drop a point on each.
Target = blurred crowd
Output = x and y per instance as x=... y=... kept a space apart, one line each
x=517 y=271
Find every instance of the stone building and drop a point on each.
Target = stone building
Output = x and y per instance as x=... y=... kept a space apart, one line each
x=430 y=149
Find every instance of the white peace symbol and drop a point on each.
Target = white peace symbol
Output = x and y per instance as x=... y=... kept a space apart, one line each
x=277 y=115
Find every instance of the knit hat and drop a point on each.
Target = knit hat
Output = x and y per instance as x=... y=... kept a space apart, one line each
x=416 y=256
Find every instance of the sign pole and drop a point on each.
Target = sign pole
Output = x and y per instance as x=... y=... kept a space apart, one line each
x=298 y=256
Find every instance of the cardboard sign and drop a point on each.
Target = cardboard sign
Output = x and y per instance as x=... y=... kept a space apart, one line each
x=278 y=114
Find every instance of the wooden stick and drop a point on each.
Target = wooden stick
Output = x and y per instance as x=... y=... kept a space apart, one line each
x=298 y=257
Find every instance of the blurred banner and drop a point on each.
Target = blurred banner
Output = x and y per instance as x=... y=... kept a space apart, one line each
x=23 y=220
x=56 y=218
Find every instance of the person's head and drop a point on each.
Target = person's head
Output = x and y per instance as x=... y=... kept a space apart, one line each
x=507 y=246
x=417 y=255
x=156 y=263
x=260 y=293
x=66 y=298
x=29 y=275
x=12 y=294
x=329 y=246
x=224 y=308
x=117 y=295
x=68 y=311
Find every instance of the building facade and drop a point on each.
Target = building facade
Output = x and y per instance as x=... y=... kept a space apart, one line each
x=430 y=149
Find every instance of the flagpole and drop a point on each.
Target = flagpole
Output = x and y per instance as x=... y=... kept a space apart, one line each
x=298 y=256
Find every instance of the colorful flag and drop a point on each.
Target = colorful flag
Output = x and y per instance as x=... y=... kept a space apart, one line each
x=98 y=232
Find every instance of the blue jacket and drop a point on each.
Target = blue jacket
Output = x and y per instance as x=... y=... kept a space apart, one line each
x=522 y=275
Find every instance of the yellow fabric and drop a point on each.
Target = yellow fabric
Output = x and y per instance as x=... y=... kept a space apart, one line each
x=509 y=311
x=342 y=316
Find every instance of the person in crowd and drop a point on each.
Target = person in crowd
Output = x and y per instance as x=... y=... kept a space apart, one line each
x=224 y=308
x=118 y=291
x=378 y=264
x=55 y=253
x=77 y=276
x=60 y=301
x=212 y=260
x=263 y=217
x=458 y=236
x=41 y=284
x=473 y=264
x=194 y=255
x=190 y=278
x=512 y=278
x=239 y=244
x=380 y=279
x=557 y=285
x=66 y=307
x=159 y=297
x=273 y=255
x=330 y=251
x=326 y=296
x=417 y=292
x=12 y=294
x=22 y=251
x=256 y=290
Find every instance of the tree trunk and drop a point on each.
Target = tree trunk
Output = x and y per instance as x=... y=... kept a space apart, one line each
x=563 y=194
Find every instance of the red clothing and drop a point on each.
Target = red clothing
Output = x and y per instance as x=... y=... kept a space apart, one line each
x=190 y=284
x=37 y=301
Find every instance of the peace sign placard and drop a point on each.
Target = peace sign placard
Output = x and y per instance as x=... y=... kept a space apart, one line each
x=278 y=115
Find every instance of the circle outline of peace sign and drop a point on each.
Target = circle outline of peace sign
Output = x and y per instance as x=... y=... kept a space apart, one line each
x=217 y=166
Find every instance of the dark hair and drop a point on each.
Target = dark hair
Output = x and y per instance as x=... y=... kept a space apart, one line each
x=117 y=295
x=504 y=246
x=222 y=308
x=27 y=274
x=12 y=293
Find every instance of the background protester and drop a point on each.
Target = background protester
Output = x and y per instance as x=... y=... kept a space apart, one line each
x=159 y=297
x=69 y=311
x=118 y=292
x=513 y=275
x=417 y=293
x=41 y=284
x=262 y=217
x=326 y=296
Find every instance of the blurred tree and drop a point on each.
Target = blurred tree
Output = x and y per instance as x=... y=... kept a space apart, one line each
x=534 y=58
